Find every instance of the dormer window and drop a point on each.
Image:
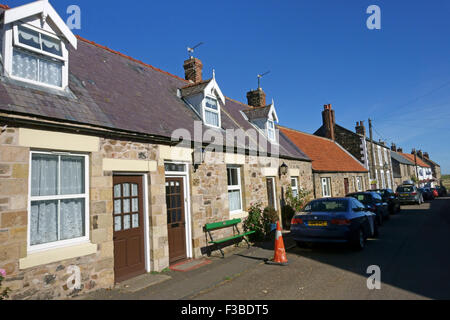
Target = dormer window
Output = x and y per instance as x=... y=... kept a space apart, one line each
x=271 y=130
x=35 y=45
x=37 y=57
x=211 y=112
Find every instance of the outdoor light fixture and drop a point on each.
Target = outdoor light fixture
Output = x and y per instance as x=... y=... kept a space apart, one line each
x=284 y=169
x=197 y=157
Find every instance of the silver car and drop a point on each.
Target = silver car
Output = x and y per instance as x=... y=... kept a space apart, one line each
x=408 y=194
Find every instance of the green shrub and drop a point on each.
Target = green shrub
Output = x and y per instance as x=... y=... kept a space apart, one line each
x=4 y=293
x=294 y=204
x=254 y=223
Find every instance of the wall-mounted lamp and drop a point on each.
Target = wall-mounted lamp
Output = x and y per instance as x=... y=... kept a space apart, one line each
x=284 y=169
x=197 y=157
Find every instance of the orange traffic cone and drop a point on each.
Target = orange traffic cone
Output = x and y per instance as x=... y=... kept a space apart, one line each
x=280 y=252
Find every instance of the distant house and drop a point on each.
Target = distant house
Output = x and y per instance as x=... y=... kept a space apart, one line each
x=435 y=167
x=374 y=156
x=403 y=168
x=422 y=170
x=93 y=174
x=336 y=172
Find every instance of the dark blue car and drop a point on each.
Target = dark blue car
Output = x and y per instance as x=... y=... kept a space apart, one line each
x=339 y=220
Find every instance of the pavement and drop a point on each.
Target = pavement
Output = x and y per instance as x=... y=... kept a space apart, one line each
x=412 y=254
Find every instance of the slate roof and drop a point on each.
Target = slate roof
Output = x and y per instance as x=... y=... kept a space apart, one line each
x=111 y=90
x=194 y=88
x=327 y=155
x=396 y=156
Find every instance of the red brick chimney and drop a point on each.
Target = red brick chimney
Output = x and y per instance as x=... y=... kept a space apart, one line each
x=256 y=98
x=394 y=147
x=329 y=121
x=360 y=128
x=193 y=70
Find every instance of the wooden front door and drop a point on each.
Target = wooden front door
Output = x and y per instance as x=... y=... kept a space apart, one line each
x=176 y=223
x=271 y=193
x=129 y=251
x=346 y=187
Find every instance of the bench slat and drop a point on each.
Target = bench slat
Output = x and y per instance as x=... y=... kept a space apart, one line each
x=222 y=224
x=232 y=237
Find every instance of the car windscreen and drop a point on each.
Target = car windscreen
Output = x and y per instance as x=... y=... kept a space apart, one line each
x=327 y=206
x=405 y=189
x=363 y=198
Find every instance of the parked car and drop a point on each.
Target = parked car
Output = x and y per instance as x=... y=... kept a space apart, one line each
x=334 y=220
x=427 y=193
x=373 y=203
x=435 y=192
x=442 y=191
x=389 y=196
x=408 y=194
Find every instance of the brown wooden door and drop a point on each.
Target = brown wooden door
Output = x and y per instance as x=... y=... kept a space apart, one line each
x=346 y=187
x=176 y=223
x=129 y=251
x=271 y=192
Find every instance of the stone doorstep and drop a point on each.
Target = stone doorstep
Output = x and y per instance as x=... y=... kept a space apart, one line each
x=141 y=282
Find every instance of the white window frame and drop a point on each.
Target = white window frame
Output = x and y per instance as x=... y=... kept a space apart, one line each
x=11 y=41
x=271 y=130
x=205 y=108
x=326 y=182
x=359 y=184
x=60 y=243
x=294 y=188
x=235 y=188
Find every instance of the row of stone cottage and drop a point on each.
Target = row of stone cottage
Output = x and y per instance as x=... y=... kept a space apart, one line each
x=93 y=176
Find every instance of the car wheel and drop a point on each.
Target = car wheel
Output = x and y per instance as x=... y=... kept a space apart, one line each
x=359 y=242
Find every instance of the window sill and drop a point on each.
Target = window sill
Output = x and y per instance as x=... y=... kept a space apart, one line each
x=239 y=214
x=55 y=255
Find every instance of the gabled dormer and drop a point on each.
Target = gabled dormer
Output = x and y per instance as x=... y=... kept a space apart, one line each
x=261 y=115
x=35 y=45
x=204 y=96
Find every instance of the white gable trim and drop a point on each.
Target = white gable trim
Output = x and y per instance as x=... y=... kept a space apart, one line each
x=273 y=112
x=214 y=87
x=44 y=8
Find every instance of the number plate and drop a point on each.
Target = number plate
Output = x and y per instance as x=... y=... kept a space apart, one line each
x=318 y=224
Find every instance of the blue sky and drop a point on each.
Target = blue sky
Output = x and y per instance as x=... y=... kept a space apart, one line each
x=318 y=52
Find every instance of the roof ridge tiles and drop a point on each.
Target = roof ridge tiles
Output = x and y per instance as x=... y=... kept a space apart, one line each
x=129 y=58
x=309 y=134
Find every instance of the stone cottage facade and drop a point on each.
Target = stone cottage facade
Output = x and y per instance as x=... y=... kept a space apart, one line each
x=110 y=167
x=336 y=172
x=374 y=156
x=403 y=168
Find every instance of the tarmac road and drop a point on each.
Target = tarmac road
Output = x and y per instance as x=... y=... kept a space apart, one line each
x=412 y=252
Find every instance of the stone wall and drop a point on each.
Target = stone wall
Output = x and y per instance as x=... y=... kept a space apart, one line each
x=208 y=198
x=49 y=281
x=337 y=183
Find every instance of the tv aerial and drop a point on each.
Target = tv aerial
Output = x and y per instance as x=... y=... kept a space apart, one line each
x=259 y=78
x=191 y=50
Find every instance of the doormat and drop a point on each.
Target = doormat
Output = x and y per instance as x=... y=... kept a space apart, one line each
x=189 y=265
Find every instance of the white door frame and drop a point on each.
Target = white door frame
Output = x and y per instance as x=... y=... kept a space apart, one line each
x=274 y=186
x=187 y=202
x=146 y=215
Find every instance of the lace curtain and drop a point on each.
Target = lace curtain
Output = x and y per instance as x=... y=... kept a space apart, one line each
x=212 y=118
x=31 y=67
x=57 y=219
x=234 y=198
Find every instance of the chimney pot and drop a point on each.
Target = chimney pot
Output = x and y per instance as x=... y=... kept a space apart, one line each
x=360 y=129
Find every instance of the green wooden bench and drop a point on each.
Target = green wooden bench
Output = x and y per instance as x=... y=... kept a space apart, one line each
x=208 y=228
